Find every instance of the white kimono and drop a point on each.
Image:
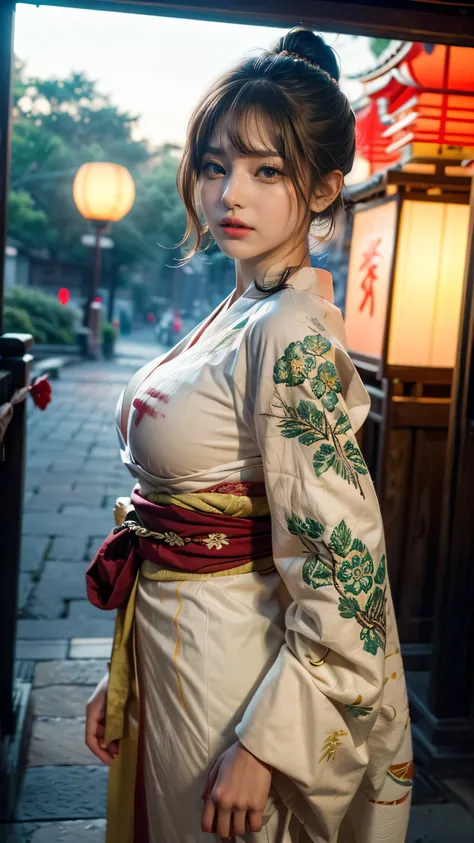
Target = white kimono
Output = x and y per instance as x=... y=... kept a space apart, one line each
x=302 y=665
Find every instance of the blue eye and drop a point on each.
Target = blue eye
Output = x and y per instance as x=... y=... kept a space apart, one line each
x=212 y=168
x=270 y=173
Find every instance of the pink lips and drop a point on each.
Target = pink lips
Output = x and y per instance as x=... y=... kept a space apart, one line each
x=234 y=227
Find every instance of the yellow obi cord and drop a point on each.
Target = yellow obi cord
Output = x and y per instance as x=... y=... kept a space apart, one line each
x=151 y=571
x=241 y=506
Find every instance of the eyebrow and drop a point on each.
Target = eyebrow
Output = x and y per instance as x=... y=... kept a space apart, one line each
x=218 y=150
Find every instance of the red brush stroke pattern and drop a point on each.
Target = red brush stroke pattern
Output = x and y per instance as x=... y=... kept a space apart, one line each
x=369 y=263
x=156 y=393
x=144 y=409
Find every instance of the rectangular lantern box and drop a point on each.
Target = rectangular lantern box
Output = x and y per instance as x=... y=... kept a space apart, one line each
x=403 y=303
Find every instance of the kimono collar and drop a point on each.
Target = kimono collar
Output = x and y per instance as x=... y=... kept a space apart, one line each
x=318 y=281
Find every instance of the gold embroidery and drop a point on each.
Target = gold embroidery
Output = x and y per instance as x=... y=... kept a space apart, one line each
x=331 y=745
x=318 y=663
x=178 y=646
x=217 y=540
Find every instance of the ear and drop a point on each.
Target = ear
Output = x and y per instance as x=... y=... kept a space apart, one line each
x=327 y=192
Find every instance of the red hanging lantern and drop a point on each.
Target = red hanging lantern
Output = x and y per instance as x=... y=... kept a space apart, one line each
x=371 y=144
x=424 y=95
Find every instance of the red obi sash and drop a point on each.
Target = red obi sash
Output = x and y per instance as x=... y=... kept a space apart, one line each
x=178 y=538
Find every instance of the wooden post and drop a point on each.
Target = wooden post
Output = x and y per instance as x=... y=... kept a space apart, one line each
x=15 y=363
x=7 y=15
x=452 y=681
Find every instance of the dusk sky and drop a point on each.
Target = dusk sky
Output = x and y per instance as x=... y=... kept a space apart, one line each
x=152 y=66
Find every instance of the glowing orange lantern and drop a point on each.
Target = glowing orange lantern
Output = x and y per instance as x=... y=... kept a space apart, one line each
x=405 y=280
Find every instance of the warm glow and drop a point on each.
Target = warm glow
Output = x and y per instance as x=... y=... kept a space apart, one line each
x=429 y=273
x=103 y=191
x=368 y=280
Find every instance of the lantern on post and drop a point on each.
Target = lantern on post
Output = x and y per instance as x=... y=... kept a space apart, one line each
x=403 y=303
x=103 y=193
x=408 y=251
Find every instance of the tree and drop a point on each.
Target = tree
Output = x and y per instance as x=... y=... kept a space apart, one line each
x=61 y=124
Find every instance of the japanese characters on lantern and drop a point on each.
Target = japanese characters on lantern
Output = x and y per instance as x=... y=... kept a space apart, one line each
x=370 y=266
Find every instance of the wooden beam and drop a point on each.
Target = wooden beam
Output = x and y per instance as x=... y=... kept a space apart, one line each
x=425 y=20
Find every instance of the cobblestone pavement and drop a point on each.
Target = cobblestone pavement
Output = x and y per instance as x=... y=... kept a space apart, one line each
x=73 y=476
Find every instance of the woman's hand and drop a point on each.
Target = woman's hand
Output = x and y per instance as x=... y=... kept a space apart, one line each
x=95 y=724
x=235 y=794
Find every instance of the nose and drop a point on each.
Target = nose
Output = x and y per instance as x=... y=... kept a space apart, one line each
x=232 y=195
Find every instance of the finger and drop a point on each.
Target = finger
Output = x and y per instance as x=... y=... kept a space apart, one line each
x=255 y=820
x=93 y=743
x=102 y=754
x=211 y=778
x=239 y=822
x=224 y=817
x=113 y=747
x=208 y=816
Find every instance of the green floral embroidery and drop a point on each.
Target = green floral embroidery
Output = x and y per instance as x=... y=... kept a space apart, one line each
x=356 y=569
x=310 y=426
x=348 y=568
x=302 y=361
x=357 y=709
x=326 y=383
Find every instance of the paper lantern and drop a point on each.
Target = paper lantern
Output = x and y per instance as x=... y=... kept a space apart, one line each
x=427 y=287
x=405 y=279
x=371 y=145
x=423 y=94
x=103 y=192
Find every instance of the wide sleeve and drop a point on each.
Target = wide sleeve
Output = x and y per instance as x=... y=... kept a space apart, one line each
x=311 y=716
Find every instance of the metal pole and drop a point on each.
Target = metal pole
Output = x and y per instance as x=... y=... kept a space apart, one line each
x=7 y=18
x=99 y=227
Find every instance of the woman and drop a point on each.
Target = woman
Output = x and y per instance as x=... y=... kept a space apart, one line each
x=250 y=574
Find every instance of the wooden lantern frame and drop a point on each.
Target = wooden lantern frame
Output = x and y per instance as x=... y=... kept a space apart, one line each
x=405 y=437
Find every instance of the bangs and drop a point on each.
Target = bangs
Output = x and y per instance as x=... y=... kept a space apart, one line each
x=253 y=118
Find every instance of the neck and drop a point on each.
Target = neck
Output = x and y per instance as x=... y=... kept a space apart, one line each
x=266 y=270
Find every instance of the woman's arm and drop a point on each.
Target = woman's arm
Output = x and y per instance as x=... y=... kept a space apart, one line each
x=313 y=713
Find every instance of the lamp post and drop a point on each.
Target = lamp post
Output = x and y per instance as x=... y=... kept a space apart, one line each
x=103 y=193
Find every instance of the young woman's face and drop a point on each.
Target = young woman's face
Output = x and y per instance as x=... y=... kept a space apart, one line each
x=249 y=201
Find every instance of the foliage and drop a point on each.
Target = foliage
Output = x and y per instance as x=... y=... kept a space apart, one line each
x=60 y=124
x=51 y=322
x=17 y=321
x=25 y=221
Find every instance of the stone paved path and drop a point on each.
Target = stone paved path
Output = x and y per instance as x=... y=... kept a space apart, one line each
x=73 y=476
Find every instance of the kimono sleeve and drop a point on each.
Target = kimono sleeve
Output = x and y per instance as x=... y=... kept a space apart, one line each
x=311 y=716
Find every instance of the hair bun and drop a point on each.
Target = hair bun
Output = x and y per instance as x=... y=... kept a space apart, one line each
x=312 y=47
